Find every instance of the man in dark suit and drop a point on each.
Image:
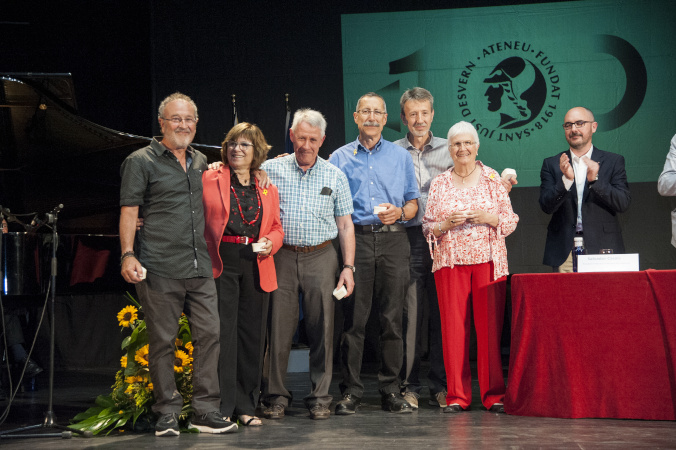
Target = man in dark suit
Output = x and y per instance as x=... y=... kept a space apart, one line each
x=583 y=188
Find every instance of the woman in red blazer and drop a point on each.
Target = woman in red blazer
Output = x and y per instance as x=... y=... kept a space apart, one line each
x=239 y=213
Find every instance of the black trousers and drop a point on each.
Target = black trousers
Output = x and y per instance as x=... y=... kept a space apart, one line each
x=381 y=280
x=242 y=308
x=422 y=290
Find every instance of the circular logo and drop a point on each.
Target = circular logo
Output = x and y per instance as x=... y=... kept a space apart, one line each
x=509 y=92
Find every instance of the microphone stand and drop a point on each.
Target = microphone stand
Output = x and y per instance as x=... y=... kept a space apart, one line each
x=50 y=418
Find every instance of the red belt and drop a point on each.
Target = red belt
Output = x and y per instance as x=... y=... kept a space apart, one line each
x=311 y=248
x=238 y=239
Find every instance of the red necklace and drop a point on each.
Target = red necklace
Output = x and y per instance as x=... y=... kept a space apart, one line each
x=241 y=214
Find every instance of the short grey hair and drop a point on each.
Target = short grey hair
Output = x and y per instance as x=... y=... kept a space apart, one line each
x=418 y=94
x=173 y=97
x=372 y=94
x=311 y=117
x=462 y=128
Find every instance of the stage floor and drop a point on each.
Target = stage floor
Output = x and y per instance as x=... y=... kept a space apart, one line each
x=371 y=427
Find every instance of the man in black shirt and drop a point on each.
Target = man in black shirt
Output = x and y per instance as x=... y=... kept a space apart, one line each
x=164 y=180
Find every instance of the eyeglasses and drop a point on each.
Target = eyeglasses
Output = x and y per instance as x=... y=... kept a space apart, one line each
x=177 y=120
x=578 y=124
x=368 y=112
x=243 y=145
x=459 y=145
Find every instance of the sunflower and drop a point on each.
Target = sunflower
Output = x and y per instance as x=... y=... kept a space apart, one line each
x=141 y=356
x=150 y=386
x=189 y=347
x=181 y=360
x=134 y=379
x=123 y=361
x=127 y=316
x=179 y=342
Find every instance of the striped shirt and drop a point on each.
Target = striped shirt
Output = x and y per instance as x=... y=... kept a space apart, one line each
x=309 y=201
x=428 y=163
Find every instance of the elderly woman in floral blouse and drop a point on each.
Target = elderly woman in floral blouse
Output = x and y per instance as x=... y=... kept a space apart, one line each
x=467 y=218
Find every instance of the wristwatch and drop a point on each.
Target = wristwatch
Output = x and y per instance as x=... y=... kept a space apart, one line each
x=403 y=215
x=347 y=266
x=126 y=255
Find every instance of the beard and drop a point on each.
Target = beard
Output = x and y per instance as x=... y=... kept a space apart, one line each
x=179 y=139
x=419 y=134
x=579 y=143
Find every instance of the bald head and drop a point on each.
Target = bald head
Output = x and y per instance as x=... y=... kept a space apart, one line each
x=579 y=126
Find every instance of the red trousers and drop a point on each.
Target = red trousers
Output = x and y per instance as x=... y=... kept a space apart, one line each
x=461 y=290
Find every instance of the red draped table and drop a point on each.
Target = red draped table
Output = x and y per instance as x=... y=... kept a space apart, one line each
x=593 y=345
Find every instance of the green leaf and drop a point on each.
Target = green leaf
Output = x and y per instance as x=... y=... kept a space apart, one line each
x=131 y=370
x=138 y=413
x=105 y=401
x=100 y=422
x=133 y=300
x=91 y=412
x=139 y=337
x=125 y=342
x=122 y=421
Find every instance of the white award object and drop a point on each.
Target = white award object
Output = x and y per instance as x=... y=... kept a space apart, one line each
x=507 y=173
x=340 y=293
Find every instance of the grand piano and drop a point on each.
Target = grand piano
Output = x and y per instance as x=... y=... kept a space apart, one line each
x=50 y=155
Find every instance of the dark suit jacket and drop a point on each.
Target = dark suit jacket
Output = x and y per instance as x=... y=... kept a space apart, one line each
x=600 y=204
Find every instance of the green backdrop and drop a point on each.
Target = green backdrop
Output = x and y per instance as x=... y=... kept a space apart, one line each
x=514 y=71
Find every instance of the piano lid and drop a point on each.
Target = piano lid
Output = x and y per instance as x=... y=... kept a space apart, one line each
x=49 y=154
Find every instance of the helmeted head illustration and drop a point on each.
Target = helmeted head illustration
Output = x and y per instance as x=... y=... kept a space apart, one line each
x=516 y=90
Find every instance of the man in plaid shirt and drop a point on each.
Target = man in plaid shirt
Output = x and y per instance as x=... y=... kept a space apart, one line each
x=316 y=206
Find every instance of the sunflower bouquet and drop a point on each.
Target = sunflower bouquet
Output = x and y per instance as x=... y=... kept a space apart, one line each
x=132 y=396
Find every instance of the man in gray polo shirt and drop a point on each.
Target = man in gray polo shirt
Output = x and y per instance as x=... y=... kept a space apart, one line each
x=430 y=158
x=316 y=206
x=164 y=181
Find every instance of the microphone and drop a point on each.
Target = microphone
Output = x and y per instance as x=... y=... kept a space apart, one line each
x=8 y=215
x=36 y=223
x=51 y=216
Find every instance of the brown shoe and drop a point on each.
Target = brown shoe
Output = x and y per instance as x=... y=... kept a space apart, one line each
x=439 y=399
x=274 y=411
x=319 y=412
x=411 y=399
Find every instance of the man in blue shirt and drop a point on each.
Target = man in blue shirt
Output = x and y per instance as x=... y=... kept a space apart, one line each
x=384 y=193
x=316 y=205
